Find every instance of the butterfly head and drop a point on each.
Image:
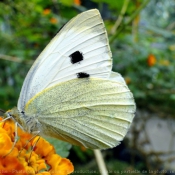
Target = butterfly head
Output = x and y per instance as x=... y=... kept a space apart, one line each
x=26 y=123
x=16 y=116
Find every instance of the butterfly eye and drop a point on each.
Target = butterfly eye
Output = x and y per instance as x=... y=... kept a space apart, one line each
x=82 y=75
x=76 y=57
x=22 y=112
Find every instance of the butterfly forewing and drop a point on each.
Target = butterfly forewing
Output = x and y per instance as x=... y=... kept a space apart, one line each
x=86 y=34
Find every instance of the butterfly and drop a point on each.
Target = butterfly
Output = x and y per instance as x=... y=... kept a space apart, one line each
x=70 y=92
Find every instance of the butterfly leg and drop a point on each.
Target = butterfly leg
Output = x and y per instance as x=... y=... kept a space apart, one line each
x=35 y=134
x=15 y=139
x=5 y=119
x=33 y=147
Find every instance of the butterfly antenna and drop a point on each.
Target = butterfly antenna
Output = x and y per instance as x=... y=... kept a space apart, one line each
x=2 y=112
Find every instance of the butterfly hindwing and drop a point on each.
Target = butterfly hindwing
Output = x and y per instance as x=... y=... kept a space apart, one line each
x=96 y=113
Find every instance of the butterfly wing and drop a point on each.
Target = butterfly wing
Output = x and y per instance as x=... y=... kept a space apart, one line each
x=80 y=46
x=91 y=112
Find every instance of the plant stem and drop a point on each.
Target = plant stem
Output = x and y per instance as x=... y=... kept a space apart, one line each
x=120 y=18
x=143 y=5
x=100 y=162
x=14 y=59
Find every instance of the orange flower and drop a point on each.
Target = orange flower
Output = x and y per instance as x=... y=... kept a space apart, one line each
x=53 y=21
x=127 y=80
x=77 y=2
x=11 y=165
x=46 y=11
x=151 y=60
x=42 y=160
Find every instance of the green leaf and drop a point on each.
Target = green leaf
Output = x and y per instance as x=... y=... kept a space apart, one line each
x=62 y=148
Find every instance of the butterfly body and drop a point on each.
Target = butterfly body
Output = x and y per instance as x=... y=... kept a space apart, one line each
x=70 y=92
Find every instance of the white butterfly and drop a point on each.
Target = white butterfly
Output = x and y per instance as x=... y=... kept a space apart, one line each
x=70 y=92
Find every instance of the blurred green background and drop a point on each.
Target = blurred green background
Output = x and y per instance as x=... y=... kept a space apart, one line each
x=142 y=40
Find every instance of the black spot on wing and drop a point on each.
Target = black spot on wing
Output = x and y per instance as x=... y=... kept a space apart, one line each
x=76 y=57
x=82 y=75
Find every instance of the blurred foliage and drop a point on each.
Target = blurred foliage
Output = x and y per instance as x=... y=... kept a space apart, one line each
x=113 y=167
x=141 y=35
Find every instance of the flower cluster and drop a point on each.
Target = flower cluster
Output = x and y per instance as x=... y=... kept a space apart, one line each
x=29 y=157
x=151 y=60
